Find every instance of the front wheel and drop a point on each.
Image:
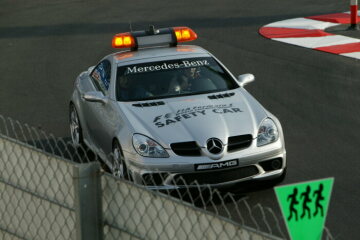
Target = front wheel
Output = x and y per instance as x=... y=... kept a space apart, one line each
x=75 y=127
x=118 y=167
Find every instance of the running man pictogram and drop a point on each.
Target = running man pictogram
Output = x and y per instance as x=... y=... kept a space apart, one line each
x=293 y=202
x=319 y=197
x=306 y=199
x=304 y=207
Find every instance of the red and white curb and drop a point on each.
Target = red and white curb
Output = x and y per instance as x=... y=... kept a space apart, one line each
x=309 y=32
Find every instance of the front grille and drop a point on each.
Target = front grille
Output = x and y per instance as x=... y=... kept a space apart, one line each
x=214 y=177
x=186 y=149
x=240 y=142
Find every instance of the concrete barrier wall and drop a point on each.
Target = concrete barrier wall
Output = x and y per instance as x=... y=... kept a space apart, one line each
x=7 y=236
x=133 y=212
x=36 y=194
x=37 y=201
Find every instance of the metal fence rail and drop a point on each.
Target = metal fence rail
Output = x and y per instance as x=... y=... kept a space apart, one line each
x=50 y=190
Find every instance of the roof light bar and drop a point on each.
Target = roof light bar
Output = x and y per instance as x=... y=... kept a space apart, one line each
x=153 y=37
x=123 y=40
x=184 y=34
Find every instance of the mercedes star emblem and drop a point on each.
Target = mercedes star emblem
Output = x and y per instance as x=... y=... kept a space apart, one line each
x=214 y=145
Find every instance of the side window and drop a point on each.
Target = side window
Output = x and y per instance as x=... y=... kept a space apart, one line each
x=101 y=75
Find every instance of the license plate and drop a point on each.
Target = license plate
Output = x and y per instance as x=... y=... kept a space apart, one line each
x=217 y=165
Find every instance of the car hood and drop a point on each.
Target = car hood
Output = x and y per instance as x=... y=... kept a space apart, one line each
x=196 y=118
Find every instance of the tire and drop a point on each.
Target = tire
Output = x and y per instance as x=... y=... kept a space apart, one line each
x=75 y=127
x=118 y=168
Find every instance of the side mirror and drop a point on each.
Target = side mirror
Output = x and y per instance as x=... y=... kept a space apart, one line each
x=95 y=97
x=245 y=79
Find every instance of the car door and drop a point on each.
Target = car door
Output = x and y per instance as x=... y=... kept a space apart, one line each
x=100 y=116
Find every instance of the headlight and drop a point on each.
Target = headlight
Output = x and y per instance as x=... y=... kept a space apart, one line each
x=147 y=147
x=268 y=132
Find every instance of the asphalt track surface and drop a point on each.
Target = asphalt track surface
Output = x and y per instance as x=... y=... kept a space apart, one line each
x=44 y=45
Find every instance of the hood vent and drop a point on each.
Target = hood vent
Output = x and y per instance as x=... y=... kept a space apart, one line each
x=237 y=143
x=149 y=104
x=219 y=96
x=186 y=149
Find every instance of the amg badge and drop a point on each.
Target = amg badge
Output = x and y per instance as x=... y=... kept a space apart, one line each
x=212 y=166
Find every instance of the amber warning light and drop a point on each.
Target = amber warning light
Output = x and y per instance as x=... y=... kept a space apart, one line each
x=184 y=34
x=123 y=40
x=153 y=37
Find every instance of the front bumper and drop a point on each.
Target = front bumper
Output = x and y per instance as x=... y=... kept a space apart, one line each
x=262 y=163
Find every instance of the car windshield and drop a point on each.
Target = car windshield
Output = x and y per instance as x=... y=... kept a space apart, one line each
x=172 y=78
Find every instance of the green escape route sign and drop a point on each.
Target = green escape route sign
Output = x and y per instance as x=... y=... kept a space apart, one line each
x=304 y=207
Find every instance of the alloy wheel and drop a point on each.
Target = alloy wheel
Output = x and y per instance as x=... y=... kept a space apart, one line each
x=74 y=127
x=118 y=167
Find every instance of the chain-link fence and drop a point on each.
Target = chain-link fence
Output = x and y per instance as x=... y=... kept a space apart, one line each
x=50 y=190
x=142 y=214
x=36 y=194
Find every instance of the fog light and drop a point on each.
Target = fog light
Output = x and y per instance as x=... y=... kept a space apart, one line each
x=271 y=165
x=276 y=164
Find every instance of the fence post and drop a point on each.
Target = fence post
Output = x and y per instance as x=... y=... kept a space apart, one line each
x=353 y=14
x=88 y=206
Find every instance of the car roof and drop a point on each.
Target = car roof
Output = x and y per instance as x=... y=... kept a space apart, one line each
x=159 y=52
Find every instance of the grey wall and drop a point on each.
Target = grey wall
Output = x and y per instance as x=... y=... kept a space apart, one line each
x=36 y=194
x=37 y=201
x=131 y=212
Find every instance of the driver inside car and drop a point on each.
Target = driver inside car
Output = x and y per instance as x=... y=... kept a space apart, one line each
x=182 y=81
x=130 y=88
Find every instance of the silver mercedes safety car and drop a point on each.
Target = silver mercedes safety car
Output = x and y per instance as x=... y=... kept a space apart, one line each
x=165 y=115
